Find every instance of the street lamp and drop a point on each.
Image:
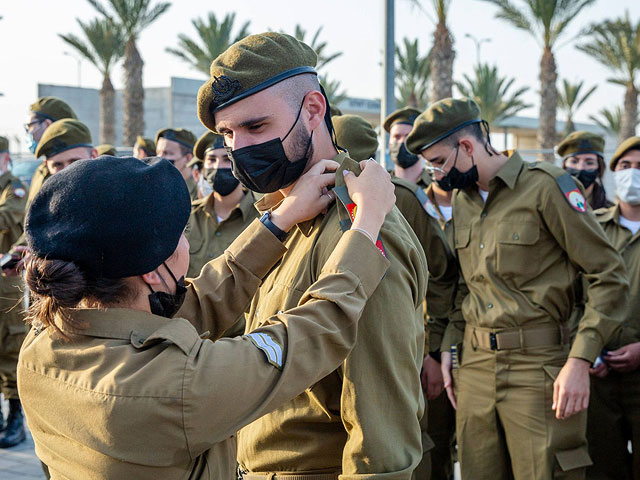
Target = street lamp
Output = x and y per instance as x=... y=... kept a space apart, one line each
x=478 y=43
x=79 y=60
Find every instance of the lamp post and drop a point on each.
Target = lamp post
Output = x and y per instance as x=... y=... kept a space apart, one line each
x=478 y=43
x=388 y=101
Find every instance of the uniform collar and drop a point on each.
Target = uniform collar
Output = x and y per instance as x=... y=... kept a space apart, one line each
x=270 y=201
x=245 y=206
x=609 y=214
x=510 y=171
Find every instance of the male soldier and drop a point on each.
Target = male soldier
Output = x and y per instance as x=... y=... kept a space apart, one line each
x=412 y=189
x=106 y=149
x=356 y=136
x=220 y=217
x=43 y=113
x=144 y=148
x=614 y=410
x=522 y=232
x=176 y=145
x=13 y=199
x=363 y=419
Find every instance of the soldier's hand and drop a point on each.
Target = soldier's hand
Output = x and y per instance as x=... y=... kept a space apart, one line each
x=625 y=359
x=600 y=371
x=308 y=198
x=19 y=267
x=373 y=193
x=571 y=388
x=431 y=376
x=445 y=367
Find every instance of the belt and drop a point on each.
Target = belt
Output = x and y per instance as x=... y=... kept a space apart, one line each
x=519 y=338
x=289 y=476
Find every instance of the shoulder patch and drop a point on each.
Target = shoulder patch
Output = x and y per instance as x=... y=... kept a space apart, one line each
x=567 y=184
x=19 y=192
x=269 y=346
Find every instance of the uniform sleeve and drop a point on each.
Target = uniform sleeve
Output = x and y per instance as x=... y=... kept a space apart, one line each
x=226 y=285
x=232 y=382
x=381 y=399
x=12 y=211
x=587 y=247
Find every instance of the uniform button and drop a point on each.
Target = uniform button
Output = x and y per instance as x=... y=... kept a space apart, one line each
x=480 y=277
x=516 y=236
x=481 y=246
x=279 y=312
x=483 y=214
x=218 y=234
x=490 y=305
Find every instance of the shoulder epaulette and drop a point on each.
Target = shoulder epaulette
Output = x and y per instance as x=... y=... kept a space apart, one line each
x=419 y=194
x=567 y=184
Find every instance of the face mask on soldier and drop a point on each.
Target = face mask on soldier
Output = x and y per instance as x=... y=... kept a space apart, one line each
x=628 y=185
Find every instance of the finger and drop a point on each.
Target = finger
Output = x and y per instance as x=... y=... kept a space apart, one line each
x=368 y=161
x=554 y=405
x=567 y=404
x=619 y=351
x=325 y=179
x=452 y=397
x=324 y=166
x=585 y=402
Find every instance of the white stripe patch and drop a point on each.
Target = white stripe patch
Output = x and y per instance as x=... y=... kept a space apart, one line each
x=269 y=346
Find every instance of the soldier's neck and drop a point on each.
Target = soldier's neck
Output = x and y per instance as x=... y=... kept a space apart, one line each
x=321 y=151
x=488 y=168
x=630 y=212
x=411 y=174
x=223 y=206
x=442 y=197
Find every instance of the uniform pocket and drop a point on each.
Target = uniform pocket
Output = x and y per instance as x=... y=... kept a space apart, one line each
x=516 y=243
x=462 y=236
x=571 y=463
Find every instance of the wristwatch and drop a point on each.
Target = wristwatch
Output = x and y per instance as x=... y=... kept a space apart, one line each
x=273 y=228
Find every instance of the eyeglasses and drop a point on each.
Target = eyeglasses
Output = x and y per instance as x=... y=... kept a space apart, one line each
x=30 y=124
x=431 y=170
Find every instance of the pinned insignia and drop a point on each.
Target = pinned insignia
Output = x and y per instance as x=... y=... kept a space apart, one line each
x=19 y=192
x=572 y=192
x=269 y=347
x=223 y=89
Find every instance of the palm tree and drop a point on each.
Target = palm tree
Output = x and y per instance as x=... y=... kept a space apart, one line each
x=616 y=45
x=412 y=75
x=332 y=89
x=609 y=120
x=492 y=93
x=102 y=46
x=546 y=21
x=213 y=39
x=442 y=54
x=133 y=16
x=569 y=101
x=318 y=46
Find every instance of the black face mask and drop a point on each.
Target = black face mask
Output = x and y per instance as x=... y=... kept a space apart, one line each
x=457 y=179
x=586 y=177
x=265 y=168
x=221 y=180
x=167 y=304
x=401 y=156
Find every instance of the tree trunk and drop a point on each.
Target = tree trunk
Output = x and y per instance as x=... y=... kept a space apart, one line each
x=441 y=66
x=133 y=95
x=547 y=135
x=412 y=101
x=569 y=127
x=107 y=111
x=630 y=114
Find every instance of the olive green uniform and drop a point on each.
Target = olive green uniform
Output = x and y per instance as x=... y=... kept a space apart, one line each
x=192 y=185
x=13 y=198
x=614 y=408
x=208 y=238
x=39 y=176
x=362 y=420
x=144 y=397
x=443 y=275
x=519 y=254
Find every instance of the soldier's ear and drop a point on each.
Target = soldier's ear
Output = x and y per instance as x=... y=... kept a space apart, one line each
x=467 y=146
x=316 y=107
x=94 y=153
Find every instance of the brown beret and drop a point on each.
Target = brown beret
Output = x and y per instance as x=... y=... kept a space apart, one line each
x=629 y=144
x=52 y=108
x=406 y=115
x=581 y=142
x=440 y=120
x=356 y=135
x=179 y=135
x=147 y=144
x=63 y=135
x=106 y=149
x=207 y=141
x=249 y=66
x=4 y=144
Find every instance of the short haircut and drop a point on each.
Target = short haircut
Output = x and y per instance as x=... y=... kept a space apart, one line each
x=474 y=130
x=294 y=89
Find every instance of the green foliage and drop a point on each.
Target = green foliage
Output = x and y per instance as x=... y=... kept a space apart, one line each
x=132 y=15
x=333 y=90
x=318 y=46
x=610 y=120
x=412 y=75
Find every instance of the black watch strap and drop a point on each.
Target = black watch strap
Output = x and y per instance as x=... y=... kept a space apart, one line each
x=273 y=228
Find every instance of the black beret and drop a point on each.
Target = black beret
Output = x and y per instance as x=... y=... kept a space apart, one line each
x=95 y=213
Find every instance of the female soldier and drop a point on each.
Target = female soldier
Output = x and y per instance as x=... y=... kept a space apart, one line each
x=115 y=389
x=582 y=156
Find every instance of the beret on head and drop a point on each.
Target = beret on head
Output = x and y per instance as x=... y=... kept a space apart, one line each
x=52 y=108
x=440 y=120
x=356 y=135
x=63 y=135
x=78 y=216
x=148 y=144
x=180 y=135
x=581 y=142
x=106 y=149
x=4 y=144
x=249 y=66
x=628 y=144
x=406 y=115
x=334 y=111
x=208 y=141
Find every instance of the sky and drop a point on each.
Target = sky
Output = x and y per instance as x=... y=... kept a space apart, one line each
x=31 y=51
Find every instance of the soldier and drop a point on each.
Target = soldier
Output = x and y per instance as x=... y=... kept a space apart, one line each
x=13 y=199
x=106 y=149
x=43 y=113
x=413 y=185
x=219 y=218
x=522 y=232
x=176 y=145
x=144 y=148
x=264 y=97
x=114 y=386
x=356 y=136
x=614 y=410
x=582 y=157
